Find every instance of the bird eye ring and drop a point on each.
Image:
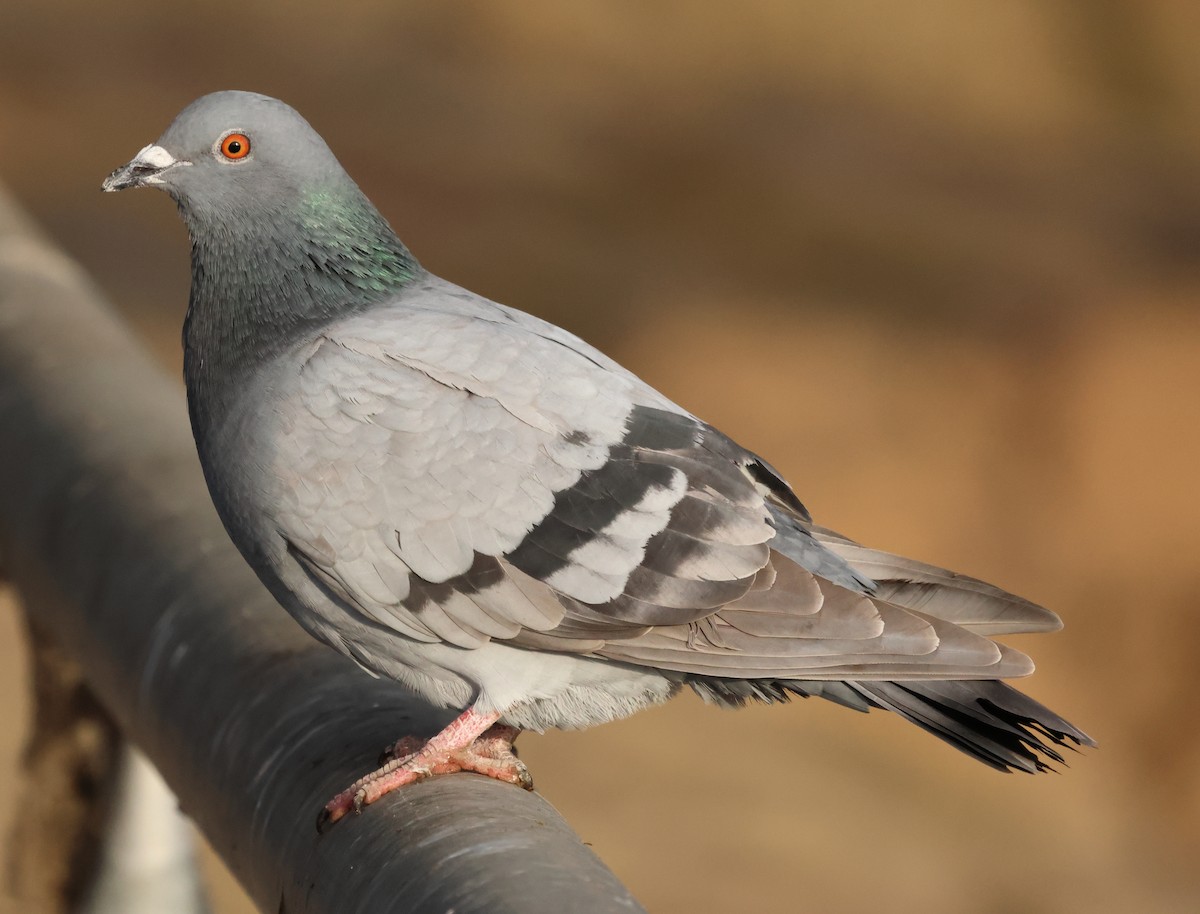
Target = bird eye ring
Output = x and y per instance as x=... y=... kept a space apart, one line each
x=234 y=146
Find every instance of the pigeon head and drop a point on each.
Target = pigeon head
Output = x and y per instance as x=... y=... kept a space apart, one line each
x=283 y=240
x=230 y=150
x=253 y=181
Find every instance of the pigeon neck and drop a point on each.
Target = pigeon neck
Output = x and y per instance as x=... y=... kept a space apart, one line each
x=264 y=281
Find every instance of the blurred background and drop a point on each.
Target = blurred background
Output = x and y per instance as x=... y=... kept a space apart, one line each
x=937 y=261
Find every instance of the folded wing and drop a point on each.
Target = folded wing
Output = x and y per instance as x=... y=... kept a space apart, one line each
x=462 y=477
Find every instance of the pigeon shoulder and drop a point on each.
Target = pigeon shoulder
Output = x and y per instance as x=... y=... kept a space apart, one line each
x=433 y=306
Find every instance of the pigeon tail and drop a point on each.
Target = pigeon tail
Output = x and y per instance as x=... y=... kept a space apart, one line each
x=985 y=718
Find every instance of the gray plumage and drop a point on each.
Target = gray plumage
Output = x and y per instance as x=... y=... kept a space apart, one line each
x=476 y=503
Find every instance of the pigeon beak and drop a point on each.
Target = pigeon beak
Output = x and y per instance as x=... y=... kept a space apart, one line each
x=144 y=169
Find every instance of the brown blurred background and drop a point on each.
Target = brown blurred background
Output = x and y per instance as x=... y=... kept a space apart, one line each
x=937 y=261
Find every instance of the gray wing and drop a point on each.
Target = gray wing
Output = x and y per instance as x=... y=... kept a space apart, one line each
x=471 y=473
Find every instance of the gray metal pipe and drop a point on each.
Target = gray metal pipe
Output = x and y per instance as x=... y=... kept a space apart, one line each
x=107 y=529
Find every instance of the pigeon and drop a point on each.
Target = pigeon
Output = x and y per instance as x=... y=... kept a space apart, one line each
x=473 y=502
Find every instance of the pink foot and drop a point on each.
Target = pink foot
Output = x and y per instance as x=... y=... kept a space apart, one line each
x=466 y=745
x=497 y=738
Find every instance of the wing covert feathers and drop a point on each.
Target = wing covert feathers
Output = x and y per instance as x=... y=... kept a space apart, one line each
x=481 y=480
x=485 y=476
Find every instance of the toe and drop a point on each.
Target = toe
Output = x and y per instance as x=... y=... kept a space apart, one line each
x=525 y=779
x=333 y=810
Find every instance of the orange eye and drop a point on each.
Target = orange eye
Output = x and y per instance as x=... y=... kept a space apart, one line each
x=235 y=146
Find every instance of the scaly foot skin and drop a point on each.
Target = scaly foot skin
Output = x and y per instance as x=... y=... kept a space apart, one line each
x=408 y=746
x=413 y=759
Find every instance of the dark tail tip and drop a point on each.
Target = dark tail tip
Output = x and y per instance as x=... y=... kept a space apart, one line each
x=987 y=719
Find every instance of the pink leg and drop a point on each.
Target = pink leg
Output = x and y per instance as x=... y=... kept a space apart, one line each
x=471 y=742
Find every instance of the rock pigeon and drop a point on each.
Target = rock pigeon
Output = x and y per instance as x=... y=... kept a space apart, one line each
x=478 y=504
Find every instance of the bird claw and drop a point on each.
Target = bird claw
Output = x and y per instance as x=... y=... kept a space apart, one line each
x=410 y=759
x=324 y=818
x=526 y=779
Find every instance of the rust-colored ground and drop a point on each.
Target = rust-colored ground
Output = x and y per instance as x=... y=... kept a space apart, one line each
x=937 y=262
